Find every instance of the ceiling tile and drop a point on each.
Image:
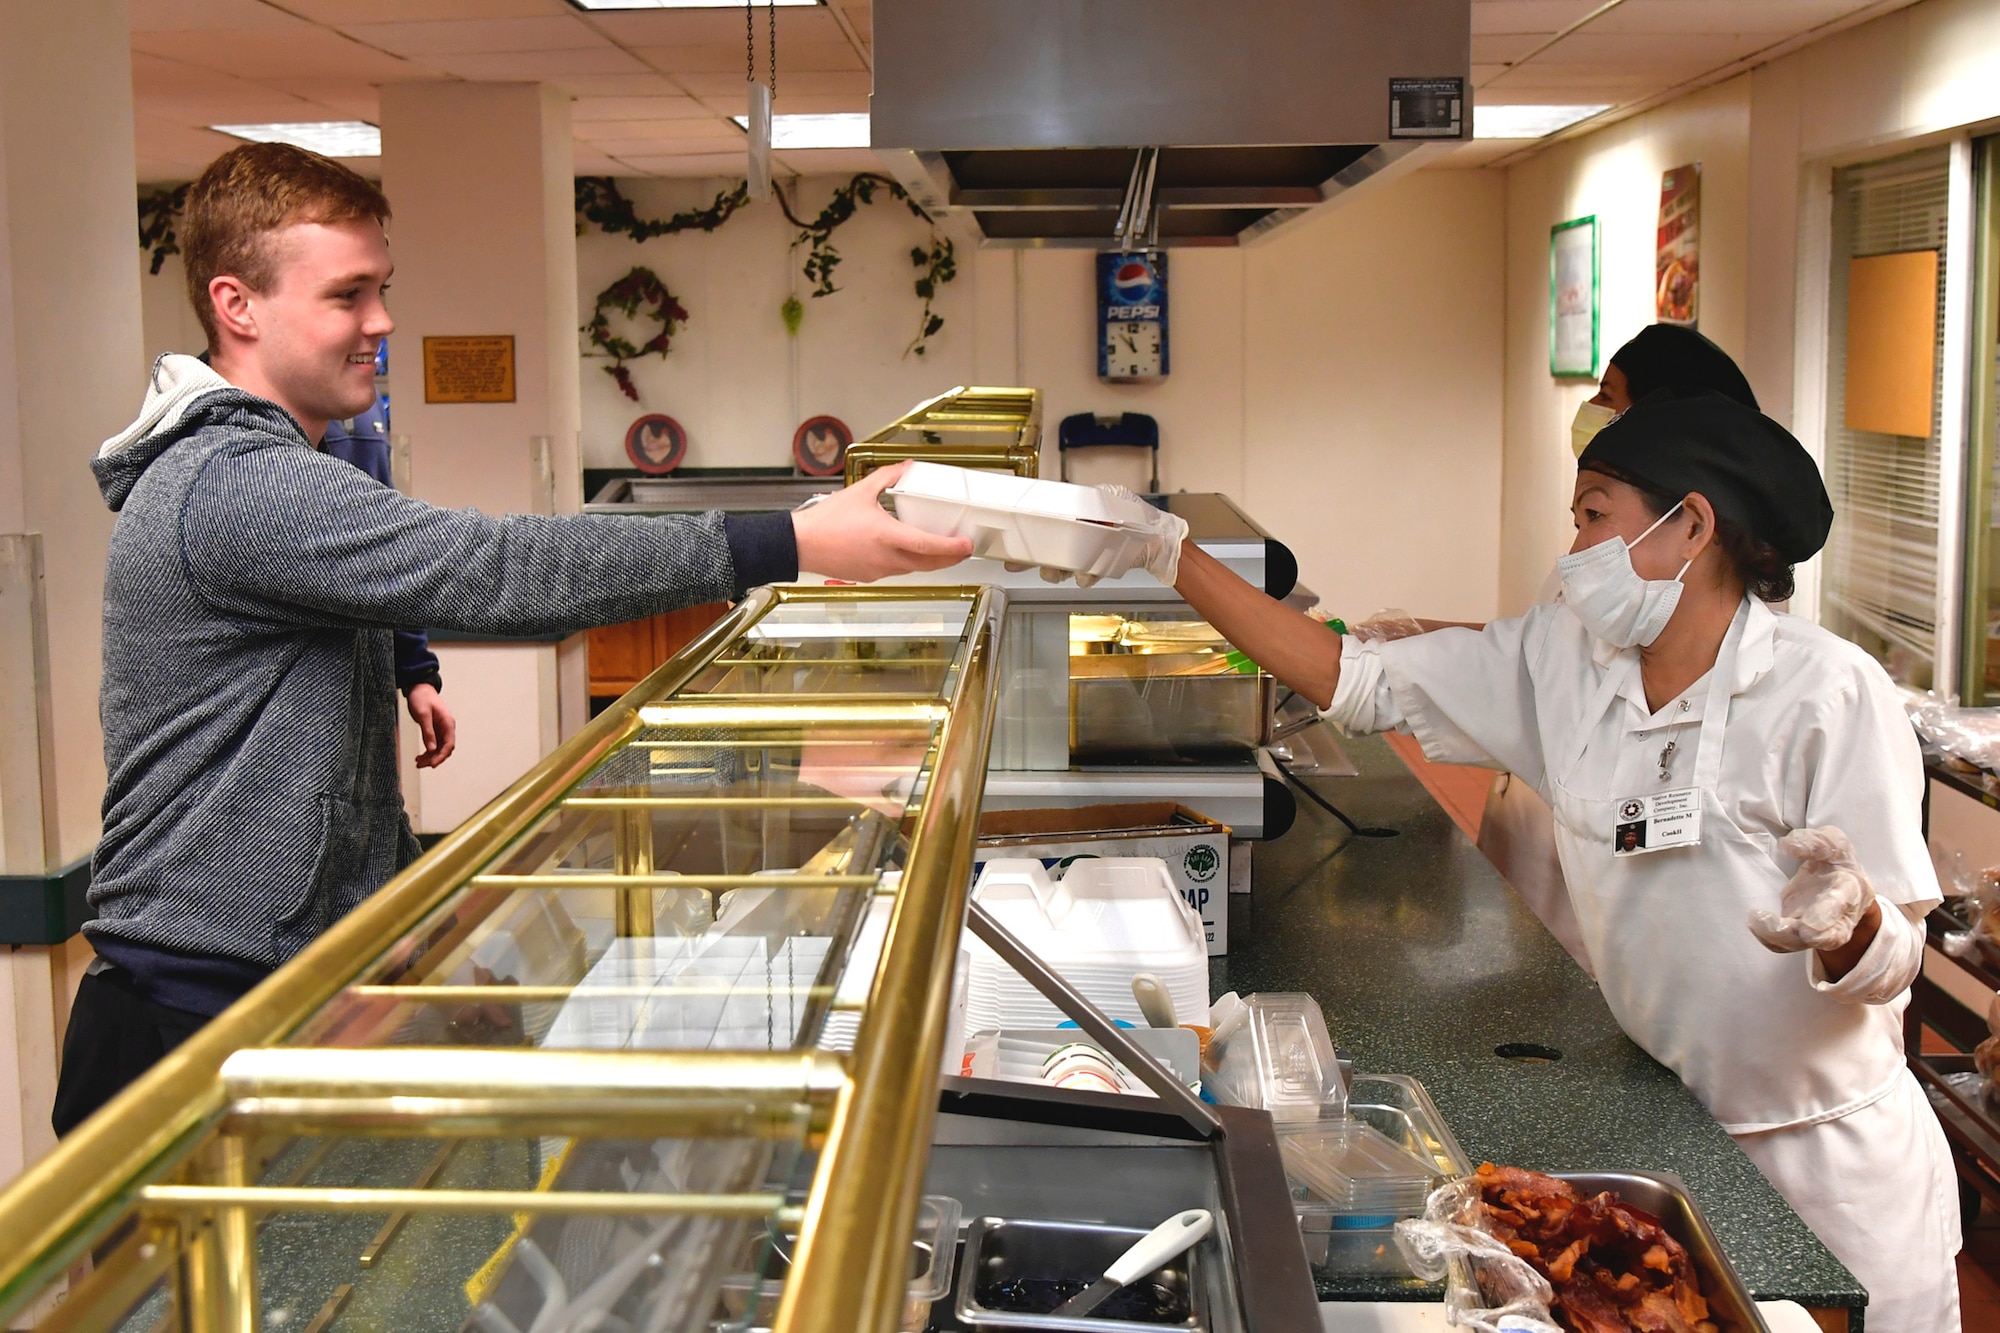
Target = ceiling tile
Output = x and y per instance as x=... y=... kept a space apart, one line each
x=603 y=131
x=351 y=98
x=702 y=58
x=537 y=65
x=187 y=15
x=588 y=163
x=730 y=86
x=554 y=33
x=692 y=164
x=265 y=54
x=1613 y=51
x=830 y=161
x=636 y=108
x=791 y=102
x=817 y=57
x=1495 y=48
x=1776 y=19
x=169 y=151
x=672 y=27
x=1546 y=17
x=618 y=85
x=628 y=149
x=336 y=12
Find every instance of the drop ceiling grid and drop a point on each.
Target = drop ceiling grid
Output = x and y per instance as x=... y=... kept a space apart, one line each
x=670 y=79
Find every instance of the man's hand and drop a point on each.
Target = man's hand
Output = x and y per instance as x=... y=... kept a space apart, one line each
x=440 y=730
x=848 y=535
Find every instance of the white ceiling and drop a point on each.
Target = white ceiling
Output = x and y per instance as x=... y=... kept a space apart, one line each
x=655 y=89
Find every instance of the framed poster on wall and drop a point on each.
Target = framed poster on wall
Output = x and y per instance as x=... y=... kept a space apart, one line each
x=1573 y=309
x=1677 y=250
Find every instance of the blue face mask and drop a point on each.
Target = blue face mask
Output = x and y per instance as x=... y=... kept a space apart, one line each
x=1616 y=605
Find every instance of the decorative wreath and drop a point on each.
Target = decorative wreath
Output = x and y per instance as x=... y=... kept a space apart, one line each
x=639 y=288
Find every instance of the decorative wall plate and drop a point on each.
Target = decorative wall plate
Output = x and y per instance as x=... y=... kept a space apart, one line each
x=656 y=444
x=820 y=446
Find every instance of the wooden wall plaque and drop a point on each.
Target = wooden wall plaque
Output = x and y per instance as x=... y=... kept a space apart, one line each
x=469 y=369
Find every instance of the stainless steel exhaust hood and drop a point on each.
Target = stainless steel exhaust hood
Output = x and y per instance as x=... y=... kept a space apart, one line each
x=1101 y=123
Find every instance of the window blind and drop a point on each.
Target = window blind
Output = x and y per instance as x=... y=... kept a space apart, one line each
x=1879 y=581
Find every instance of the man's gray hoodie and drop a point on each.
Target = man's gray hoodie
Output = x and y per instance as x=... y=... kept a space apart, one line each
x=249 y=696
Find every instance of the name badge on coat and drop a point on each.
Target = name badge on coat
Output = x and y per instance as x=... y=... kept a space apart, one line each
x=1657 y=823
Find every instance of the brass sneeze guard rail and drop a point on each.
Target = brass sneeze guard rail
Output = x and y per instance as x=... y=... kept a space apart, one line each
x=1000 y=429
x=163 y=1182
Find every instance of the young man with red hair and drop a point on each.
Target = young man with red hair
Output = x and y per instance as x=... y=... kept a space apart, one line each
x=243 y=818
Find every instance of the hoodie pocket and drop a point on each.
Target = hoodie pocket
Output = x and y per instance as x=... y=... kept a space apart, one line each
x=360 y=844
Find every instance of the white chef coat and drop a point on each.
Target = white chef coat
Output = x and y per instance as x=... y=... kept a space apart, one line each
x=1815 y=735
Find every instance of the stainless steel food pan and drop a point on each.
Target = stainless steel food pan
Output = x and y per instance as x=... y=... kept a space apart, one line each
x=1665 y=1196
x=1148 y=719
x=1001 y=1250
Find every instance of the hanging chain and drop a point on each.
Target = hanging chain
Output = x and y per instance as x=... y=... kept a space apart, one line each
x=749 y=41
x=772 y=9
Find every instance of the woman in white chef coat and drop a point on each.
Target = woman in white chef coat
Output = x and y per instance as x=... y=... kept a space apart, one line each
x=1737 y=797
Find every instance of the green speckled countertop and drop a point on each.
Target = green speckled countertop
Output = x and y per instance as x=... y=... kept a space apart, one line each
x=1425 y=960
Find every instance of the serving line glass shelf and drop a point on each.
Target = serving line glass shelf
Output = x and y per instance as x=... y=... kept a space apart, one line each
x=677 y=985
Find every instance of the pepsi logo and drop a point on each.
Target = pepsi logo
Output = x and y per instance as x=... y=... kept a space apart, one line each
x=1131 y=282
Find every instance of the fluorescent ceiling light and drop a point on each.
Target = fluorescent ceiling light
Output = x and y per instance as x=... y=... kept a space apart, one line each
x=1528 y=122
x=334 y=138
x=840 y=129
x=675 y=4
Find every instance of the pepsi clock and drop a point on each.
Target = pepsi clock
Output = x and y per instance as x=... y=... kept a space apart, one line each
x=1132 y=316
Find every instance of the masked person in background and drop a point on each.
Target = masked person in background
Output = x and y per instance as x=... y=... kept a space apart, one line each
x=1759 y=929
x=1660 y=356
x=1516 y=829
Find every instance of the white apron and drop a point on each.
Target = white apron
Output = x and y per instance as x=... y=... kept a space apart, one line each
x=1805 y=1083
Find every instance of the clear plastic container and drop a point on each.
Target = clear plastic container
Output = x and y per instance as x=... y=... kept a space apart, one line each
x=750 y=1298
x=1281 y=1061
x=1342 y=1243
x=1399 y=1108
x=1350 y=1166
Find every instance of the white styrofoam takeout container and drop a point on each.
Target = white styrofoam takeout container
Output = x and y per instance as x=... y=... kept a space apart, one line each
x=1026 y=520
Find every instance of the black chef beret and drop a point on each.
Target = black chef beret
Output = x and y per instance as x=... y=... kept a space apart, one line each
x=1667 y=356
x=1750 y=468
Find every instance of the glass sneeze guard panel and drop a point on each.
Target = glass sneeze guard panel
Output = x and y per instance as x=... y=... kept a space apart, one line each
x=572 y=1061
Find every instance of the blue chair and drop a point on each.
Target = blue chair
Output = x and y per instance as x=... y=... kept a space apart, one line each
x=1131 y=430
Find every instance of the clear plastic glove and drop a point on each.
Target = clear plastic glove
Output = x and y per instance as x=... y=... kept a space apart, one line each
x=1393 y=623
x=1825 y=898
x=1163 y=546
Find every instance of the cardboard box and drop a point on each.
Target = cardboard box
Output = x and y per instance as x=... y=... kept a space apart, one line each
x=1195 y=848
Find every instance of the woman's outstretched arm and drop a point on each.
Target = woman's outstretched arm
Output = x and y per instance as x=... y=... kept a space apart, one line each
x=1301 y=652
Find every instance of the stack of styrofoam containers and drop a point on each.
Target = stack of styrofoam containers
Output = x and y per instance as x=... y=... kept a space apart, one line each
x=1029 y=521
x=1104 y=920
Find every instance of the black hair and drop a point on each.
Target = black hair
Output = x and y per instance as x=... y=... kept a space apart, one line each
x=1763 y=572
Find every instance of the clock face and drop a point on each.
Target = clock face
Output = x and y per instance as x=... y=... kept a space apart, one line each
x=1132 y=350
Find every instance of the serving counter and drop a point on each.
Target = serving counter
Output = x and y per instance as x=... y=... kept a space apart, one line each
x=671 y=1014
x=1427 y=963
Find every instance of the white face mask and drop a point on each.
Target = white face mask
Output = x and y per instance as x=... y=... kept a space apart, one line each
x=1609 y=597
x=1590 y=419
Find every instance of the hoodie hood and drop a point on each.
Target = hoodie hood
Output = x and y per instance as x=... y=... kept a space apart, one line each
x=177 y=383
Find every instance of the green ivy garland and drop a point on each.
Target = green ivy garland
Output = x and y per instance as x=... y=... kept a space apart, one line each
x=940 y=266
x=938 y=262
x=159 y=220
x=599 y=200
x=640 y=287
